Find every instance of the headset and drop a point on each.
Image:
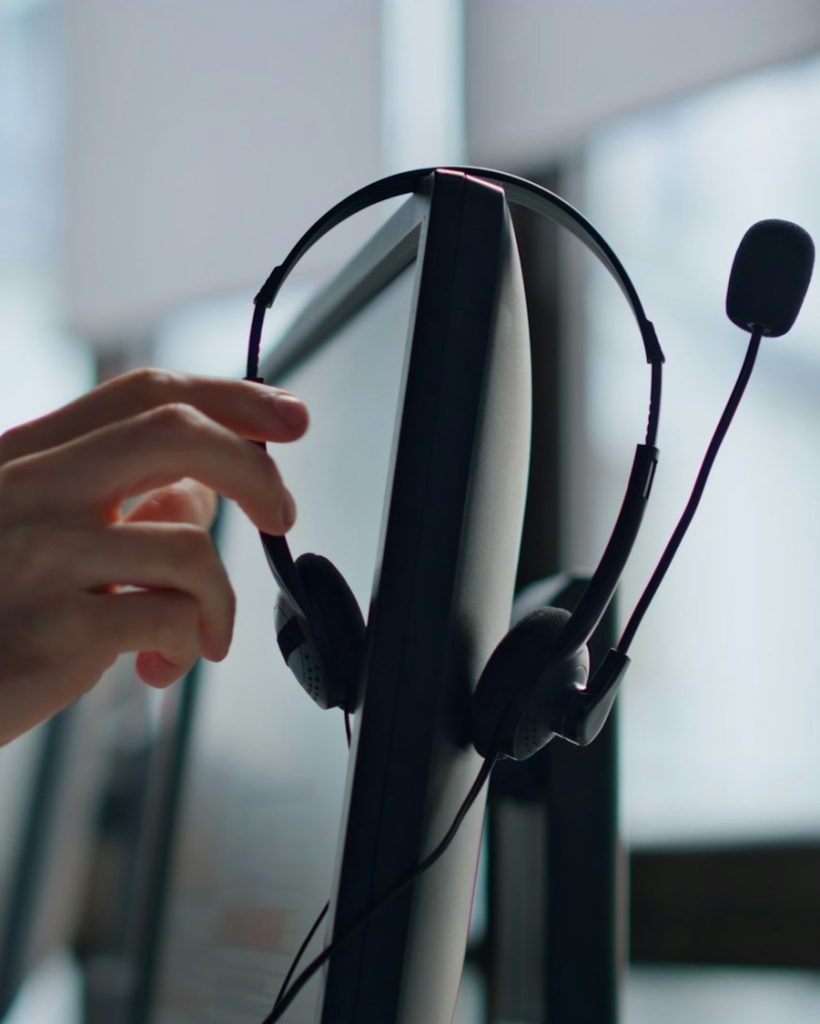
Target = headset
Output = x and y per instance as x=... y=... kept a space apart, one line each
x=536 y=684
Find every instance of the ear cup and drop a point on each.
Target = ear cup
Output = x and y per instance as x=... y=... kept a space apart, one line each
x=520 y=690
x=300 y=653
x=331 y=664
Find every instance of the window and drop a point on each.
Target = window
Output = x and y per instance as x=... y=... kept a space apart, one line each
x=41 y=366
x=721 y=707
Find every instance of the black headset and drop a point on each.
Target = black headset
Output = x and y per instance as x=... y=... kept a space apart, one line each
x=536 y=684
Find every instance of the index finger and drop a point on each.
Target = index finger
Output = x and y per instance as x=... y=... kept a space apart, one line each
x=94 y=474
x=258 y=412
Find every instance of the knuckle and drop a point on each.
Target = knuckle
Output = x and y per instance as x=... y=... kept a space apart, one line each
x=177 y=421
x=152 y=385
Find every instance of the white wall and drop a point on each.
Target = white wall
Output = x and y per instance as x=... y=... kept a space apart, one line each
x=542 y=73
x=202 y=138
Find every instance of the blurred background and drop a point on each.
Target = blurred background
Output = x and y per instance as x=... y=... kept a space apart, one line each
x=157 y=159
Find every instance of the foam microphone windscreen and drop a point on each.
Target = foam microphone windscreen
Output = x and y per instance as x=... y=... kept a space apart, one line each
x=770 y=277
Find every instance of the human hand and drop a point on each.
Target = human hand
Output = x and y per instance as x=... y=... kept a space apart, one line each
x=67 y=549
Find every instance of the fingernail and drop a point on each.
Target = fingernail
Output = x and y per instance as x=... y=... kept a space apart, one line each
x=288 y=510
x=290 y=409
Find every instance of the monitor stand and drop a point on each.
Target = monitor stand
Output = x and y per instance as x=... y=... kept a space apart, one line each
x=558 y=906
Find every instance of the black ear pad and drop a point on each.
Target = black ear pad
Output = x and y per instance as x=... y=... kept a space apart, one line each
x=324 y=647
x=329 y=667
x=516 y=702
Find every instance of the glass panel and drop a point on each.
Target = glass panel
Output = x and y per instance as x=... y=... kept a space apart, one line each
x=720 y=710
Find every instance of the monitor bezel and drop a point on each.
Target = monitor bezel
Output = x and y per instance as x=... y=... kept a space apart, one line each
x=414 y=760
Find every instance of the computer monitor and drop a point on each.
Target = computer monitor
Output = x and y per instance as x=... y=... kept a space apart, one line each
x=21 y=765
x=52 y=784
x=414 y=363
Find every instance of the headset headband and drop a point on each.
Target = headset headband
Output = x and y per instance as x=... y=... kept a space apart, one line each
x=519 y=192
x=538 y=199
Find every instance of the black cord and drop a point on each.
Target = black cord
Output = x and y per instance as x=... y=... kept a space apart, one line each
x=283 y=1002
x=694 y=499
x=300 y=954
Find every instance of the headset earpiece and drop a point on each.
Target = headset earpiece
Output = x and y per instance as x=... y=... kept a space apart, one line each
x=326 y=655
x=518 y=702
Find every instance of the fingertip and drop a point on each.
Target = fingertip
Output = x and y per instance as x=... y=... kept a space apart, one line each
x=276 y=523
x=216 y=648
x=293 y=413
x=157 y=671
x=288 y=511
x=218 y=655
